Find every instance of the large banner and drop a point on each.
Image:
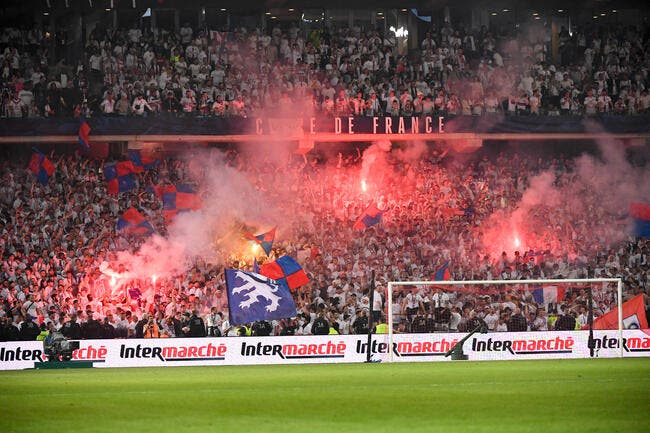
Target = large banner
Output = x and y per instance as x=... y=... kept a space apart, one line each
x=166 y=124
x=331 y=349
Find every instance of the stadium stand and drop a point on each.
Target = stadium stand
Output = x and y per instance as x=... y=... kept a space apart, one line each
x=55 y=236
x=339 y=71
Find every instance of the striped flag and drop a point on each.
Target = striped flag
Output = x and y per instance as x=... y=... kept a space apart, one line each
x=41 y=166
x=285 y=270
x=264 y=240
x=84 y=133
x=370 y=217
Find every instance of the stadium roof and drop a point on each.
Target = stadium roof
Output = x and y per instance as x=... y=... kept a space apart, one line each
x=242 y=5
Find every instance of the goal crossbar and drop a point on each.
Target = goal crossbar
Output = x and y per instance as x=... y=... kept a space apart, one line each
x=618 y=281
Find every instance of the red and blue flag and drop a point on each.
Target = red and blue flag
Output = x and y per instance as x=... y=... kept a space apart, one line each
x=370 y=217
x=443 y=273
x=84 y=135
x=140 y=162
x=641 y=214
x=285 y=270
x=119 y=177
x=265 y=240
x=179 y=198
x=133 y=222
x=41 y=166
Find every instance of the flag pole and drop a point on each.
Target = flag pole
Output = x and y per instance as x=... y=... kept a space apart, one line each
x=620 y=317
x=590 y=322
x=372 y=300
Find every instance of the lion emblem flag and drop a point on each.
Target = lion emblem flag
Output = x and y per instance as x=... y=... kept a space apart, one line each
x=253 y=297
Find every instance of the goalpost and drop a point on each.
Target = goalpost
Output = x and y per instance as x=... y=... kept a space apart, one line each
x=451 y=286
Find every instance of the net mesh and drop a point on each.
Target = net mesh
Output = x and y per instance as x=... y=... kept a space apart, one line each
x=432 y=307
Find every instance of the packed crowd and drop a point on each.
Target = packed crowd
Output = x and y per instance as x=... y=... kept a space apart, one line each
x=338 y=71
x=55 y=239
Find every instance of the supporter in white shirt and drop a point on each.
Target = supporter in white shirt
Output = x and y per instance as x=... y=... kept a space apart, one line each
x=491 y=318
x=590 y=103
x=604 y=102
x=139 y=105
x=108 y=105
x=455 y=319
x=439 y=298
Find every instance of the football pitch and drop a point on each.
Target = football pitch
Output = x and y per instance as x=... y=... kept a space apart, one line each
x=594 y=395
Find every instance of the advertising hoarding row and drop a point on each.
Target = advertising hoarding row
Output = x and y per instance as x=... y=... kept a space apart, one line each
x=331 y=349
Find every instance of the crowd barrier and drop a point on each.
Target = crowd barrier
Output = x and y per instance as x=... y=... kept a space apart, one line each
x=330 y=349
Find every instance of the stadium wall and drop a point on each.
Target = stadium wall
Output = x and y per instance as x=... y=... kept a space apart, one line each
x=330 y=349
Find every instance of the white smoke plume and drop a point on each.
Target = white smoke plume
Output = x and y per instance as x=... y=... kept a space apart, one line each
x=230 y=202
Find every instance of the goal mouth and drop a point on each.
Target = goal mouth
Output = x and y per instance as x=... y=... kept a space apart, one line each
x=504 y=307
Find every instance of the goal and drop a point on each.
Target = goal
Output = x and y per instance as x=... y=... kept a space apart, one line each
x=534 y=315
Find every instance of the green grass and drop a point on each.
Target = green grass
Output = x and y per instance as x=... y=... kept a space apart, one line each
x=599 y=395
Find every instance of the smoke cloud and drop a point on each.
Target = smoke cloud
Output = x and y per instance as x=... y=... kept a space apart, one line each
x=572 y=213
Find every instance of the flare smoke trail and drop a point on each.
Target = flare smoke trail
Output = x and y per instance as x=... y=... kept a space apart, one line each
x=595 y=194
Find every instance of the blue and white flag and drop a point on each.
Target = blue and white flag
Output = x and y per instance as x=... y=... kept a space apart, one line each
x=253 y=297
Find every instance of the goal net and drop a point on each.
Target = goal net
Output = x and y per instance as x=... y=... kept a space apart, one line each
x=509 y=319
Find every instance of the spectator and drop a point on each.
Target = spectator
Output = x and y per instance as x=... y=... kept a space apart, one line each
x=151 y=329
x=108 y=104
x=140 y=106
x=320 y=326
x=170 y=104
x=517 y=322
x=188 y=102
x=71 y=328
x=122 y=107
